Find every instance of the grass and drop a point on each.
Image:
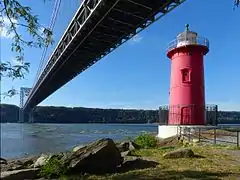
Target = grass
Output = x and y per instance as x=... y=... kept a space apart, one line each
x=220 y=132
x=216 y=164
x=146 y=141
x=223 y=146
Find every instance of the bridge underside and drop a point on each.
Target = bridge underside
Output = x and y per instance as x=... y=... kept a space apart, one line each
x=96 y=30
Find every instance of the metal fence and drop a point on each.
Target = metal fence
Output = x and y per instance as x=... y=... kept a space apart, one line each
x=198 y=41
x=214 y=135
x=210 y=113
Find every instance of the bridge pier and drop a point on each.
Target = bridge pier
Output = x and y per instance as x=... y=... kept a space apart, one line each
x=26 y=116
x=21 y=116
x=31 y=116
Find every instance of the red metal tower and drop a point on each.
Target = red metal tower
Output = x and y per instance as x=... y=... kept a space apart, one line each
x=187 y=91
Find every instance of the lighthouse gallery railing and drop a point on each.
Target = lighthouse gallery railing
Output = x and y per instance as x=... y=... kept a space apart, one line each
x=202 y=41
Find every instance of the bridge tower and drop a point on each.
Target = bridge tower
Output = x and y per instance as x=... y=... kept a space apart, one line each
x=187 y=91
x=24 y=92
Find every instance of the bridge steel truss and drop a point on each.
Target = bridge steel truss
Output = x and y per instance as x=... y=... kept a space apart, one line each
x=97 y=28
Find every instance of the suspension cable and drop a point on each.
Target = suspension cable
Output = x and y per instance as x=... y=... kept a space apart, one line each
x=51 y=27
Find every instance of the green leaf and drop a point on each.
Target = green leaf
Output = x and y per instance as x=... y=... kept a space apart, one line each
x=17 y=48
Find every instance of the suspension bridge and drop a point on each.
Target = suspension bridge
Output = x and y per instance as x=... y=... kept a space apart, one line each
x=97 y=28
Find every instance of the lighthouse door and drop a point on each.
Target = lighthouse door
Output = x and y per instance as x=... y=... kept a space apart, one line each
x=185 y=115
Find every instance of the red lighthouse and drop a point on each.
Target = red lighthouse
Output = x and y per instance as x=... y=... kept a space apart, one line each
x=187 y=91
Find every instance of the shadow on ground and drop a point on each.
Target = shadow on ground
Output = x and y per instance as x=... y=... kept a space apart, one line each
x=158 y=174
x=198 y=156
x=137 y=164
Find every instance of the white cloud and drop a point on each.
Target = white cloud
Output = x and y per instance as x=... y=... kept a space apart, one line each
x=136 y=39
x=4 y=26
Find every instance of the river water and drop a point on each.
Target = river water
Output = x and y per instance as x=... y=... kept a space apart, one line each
x=19 y=140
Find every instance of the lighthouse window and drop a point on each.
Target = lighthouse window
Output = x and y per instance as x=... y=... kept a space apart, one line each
x=186 y=75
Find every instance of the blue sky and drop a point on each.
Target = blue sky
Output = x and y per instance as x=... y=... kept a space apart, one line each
x=136 y=75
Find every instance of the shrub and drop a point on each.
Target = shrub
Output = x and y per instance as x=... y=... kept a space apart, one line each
x=54 y=167
x=146 y=141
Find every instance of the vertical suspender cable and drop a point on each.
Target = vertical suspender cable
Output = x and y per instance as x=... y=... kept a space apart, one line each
x=51 y=26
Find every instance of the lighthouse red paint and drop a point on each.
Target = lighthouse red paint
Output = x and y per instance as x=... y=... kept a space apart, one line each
x=187 y=92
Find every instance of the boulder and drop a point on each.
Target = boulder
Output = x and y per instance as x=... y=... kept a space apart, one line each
x=99 y=157
x=21 y=163
x=179 y=153
x=195 y=140
x=3 y=161
x=77 y=148
x=126 y=153
x=42 y=160
x=127 y=146
x=20 y=174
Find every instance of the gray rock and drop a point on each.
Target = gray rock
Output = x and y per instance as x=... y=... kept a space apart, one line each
x=21 y=163
x=196 y=141
x=20 y=174
x=99 y=157
x=179 y=153
x=28 y=161
x=42 y=160
x=127 y=145
x=3 y=161
x=126 y=153
x=77 y=148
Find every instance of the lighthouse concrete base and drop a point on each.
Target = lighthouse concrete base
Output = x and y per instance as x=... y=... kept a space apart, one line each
x=165 y=131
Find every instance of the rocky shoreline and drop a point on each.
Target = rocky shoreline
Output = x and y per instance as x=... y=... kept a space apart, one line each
x=106 y=157
x=100 y=157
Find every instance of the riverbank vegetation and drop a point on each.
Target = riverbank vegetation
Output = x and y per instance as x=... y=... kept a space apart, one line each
x=51 y=114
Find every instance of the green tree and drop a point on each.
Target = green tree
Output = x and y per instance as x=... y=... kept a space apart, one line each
x=236 y=3
x=13 y=18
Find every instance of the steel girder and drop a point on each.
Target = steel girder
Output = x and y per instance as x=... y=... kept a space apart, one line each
x=124 y=30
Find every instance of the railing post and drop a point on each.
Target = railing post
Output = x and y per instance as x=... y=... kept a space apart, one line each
x=238 y=138
x=215 y=136
x=189 y=134
x=199 y=134
x=180 y=132
x=216 y=118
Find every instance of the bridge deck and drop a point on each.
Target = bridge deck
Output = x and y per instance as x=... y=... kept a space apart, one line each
x=98 y=27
